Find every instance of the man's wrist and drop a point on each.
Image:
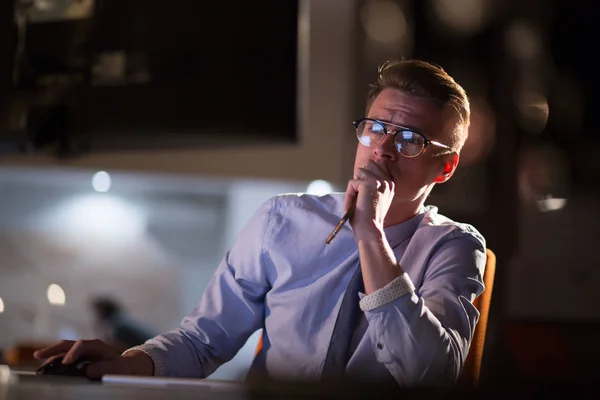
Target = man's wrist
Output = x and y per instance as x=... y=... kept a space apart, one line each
x=368 y=232
x=139 y=362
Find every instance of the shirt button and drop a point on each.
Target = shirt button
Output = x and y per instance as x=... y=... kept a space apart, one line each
x=379 y=346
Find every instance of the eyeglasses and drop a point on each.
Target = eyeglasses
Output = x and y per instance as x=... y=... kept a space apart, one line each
x=371 y=132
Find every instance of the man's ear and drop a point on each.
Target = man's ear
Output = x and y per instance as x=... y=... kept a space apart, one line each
x=450 y=162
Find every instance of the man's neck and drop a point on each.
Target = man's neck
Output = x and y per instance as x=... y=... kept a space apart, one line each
x=402 y=213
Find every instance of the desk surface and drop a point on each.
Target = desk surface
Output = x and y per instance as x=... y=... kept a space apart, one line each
x=61 y=388
x=55 y=388
x=25 y=385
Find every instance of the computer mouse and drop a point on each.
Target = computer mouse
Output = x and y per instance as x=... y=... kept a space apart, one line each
x=56 y=367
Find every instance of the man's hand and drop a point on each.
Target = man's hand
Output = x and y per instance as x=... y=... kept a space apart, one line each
x=107 y=359
x=372 y=192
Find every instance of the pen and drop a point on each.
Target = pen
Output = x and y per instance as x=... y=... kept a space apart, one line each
x=341 y=223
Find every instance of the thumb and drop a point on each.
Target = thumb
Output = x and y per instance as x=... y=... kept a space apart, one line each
x=350 y=199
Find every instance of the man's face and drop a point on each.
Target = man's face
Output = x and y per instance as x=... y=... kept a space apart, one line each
x=413 y=177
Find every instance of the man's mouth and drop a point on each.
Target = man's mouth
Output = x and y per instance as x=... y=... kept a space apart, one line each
x=385 y=167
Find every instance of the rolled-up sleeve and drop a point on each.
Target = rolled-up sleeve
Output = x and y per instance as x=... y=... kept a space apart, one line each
x=231 y=309
x=397 y=288
x=422 y=336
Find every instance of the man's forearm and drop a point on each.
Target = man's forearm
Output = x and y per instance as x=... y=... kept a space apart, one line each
x=377 y=260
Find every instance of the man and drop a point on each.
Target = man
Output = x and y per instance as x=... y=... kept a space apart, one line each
x=417 y=271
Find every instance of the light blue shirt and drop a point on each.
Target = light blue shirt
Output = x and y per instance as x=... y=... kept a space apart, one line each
x=282 y=277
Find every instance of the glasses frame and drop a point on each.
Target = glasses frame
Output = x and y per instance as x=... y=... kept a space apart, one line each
x=387 y=131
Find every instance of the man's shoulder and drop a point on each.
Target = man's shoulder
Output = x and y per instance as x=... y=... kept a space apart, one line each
x=445 y=228
x=304 y=221
x=327 y=203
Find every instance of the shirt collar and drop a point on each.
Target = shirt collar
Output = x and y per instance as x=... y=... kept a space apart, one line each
x=398 y=233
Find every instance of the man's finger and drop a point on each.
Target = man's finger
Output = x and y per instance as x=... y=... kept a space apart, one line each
x=74 y=353
x=49 y=360
x=366 y=174
x=93 y=348
x=351 y=194
x=58 y=348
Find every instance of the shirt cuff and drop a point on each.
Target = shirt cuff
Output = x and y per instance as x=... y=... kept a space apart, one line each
x=399 y=287
x=159 y=366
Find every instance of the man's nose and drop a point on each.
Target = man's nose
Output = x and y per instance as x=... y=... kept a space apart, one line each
x=386 y=148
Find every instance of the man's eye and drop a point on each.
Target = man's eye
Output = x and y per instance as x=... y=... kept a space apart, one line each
x=410 y=137
x=378 y=129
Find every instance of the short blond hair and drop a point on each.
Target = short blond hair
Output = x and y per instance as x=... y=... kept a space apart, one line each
x=426 y=80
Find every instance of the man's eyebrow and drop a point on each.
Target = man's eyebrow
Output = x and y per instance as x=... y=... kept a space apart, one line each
x=412 y=128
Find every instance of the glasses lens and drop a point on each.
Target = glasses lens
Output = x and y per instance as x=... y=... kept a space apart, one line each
x=370 y=133
x=409 y=143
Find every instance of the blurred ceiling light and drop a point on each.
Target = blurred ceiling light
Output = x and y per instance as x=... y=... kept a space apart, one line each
x=56 y=10
x=523 y=41
x=101 y=181
x=533 y=111
x=319 y=187
x=1 y=306
x=463 y=16
x=551 y=204
x=56 y=295
x=47 y=5
x=383 y=21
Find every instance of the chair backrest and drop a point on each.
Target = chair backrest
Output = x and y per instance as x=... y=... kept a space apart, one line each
x=472 y=367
